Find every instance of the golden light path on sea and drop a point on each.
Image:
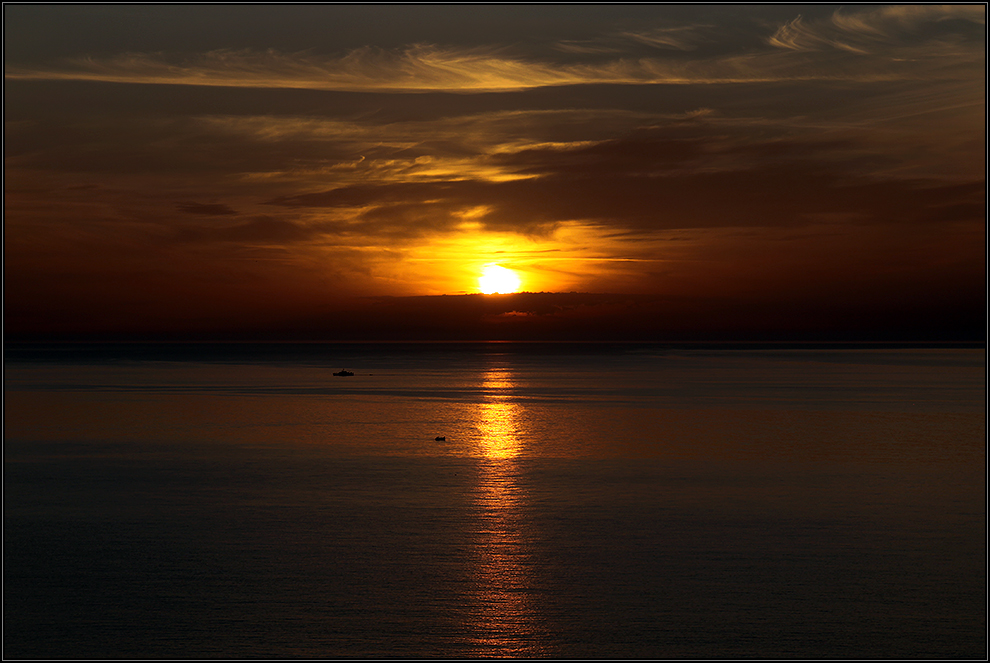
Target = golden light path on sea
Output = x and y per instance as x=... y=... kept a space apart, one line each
x=504 y=612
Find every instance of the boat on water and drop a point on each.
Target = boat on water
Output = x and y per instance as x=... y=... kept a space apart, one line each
x=344 y=373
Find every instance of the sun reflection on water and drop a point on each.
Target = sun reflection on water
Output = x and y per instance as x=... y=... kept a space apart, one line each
x=498 y=417
x=504 y=610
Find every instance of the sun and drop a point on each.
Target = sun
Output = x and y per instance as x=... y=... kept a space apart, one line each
x=496 y=279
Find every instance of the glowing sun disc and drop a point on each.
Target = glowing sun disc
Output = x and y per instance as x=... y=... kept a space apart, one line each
x=496 y=279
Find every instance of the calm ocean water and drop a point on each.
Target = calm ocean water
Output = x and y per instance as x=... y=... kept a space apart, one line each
x=588 y=501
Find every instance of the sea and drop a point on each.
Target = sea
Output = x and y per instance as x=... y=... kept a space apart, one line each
x=494 y=500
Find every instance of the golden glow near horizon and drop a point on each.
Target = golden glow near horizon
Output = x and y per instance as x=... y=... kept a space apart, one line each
x=574 y=256
x=496 y=279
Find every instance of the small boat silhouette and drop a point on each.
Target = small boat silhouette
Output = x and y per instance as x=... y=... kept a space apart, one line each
x=440 y=438
x=344 y=373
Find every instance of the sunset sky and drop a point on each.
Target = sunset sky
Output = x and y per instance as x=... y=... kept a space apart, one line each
x=331 y=171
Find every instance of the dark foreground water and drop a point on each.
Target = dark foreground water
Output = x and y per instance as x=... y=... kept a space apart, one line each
x=240 y=501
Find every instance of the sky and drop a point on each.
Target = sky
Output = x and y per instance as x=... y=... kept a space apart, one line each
x=347 y=172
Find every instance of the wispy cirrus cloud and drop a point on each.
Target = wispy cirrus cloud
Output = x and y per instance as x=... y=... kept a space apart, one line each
x=680 y=38
x=669 y=38
x=416 y=68
x=879 y=30
x=426 y=67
